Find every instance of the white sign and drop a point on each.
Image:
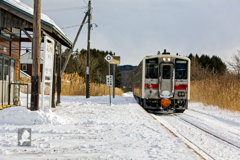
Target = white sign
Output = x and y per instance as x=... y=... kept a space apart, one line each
x=87 y=71
x=48 y=57
x=4 y=49
x=109 y=79
x=108 y=58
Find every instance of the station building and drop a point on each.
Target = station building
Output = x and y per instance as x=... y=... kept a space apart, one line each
x=16 y=26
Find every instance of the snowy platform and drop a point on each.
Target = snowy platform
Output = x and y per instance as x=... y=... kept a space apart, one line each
x=89 y=129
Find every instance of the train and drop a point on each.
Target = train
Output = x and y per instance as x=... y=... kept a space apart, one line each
x=161 y=83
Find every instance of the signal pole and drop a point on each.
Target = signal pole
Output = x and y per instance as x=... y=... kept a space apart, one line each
x=36 y=56
x=88 y=51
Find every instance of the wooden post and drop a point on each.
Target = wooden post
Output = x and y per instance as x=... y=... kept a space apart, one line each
x=75 y=41
x=36 y=55
x=88 y=52
x=54 y=79
x=59 y=75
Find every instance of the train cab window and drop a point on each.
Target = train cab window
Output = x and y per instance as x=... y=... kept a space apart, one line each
x=151 y=68
x=166 y=72
x=181 y=69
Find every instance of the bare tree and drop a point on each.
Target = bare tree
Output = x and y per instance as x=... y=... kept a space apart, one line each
x=198 y=72
x=234 y=64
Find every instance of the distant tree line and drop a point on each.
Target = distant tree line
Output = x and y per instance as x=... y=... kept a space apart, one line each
x=213 y=64
x=98 y=65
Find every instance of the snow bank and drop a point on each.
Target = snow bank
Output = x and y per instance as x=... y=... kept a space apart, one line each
x=128 y=94
x=22 y=116
x=216 y=112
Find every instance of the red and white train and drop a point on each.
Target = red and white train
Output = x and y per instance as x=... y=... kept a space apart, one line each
x=162 y=83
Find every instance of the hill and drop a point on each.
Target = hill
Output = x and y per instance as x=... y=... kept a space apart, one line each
x=126 y=71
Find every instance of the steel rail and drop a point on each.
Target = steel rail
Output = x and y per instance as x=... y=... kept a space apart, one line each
x=201 y=156
x=208 y=132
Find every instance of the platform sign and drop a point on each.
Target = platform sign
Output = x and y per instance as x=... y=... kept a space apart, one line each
x=48 y=57
x=108 y=58
x=109 y=79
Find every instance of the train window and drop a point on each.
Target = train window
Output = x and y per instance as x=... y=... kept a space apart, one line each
x=166 y=72
x=181 y=69
x=152 y=68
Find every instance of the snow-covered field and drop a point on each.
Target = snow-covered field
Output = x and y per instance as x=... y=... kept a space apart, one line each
x=91 y=129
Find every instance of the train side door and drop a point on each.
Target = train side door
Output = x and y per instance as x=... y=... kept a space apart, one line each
x=166 y=81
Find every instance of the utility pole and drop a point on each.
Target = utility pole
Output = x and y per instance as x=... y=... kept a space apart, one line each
x=88 y=51
x=36 y=55
x=75 y=41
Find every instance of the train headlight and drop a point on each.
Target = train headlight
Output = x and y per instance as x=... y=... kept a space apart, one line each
x=181 y=94
x=169 y=59
x=164 y=59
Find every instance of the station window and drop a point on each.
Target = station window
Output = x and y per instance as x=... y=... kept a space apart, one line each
x=152 y=68
x=24 y=67
x=181 y=69
x=6 y=70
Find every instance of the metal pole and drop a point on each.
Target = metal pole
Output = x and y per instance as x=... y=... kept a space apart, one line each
x=36 y=55
x=109 y=85
x=88 y=52
x=27 y=96
x=114 y=81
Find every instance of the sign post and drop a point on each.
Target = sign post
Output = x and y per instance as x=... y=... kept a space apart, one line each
x=109 y=58
x=114 y=61
x=47 y=77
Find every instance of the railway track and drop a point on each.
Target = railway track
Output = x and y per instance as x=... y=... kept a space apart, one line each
x=201 y=150
x=208 y=132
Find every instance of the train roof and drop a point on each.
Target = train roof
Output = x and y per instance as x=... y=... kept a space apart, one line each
x=162 y=55
x=166 y=55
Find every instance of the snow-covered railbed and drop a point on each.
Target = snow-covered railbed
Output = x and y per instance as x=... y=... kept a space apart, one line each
x=217 y=124
x=89 y=129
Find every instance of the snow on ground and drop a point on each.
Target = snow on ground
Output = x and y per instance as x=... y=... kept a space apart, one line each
x=215 y=112
x=210 y=118
x=92 y=130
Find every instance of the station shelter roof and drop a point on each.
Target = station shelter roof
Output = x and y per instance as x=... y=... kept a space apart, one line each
x=23 y=11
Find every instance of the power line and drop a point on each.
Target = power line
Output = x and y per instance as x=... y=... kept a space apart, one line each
x=71 y=27
x=62 y=9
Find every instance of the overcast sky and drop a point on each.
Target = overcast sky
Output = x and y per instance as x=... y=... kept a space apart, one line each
x=134 y=29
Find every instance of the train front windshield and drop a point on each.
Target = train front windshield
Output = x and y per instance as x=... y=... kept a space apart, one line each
x=181 y=69
x=152 y=68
